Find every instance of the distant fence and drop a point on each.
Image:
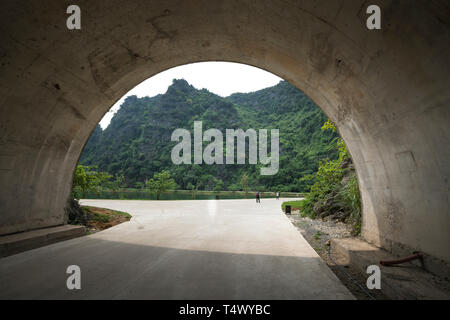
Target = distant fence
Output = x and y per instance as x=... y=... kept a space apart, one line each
x=139 y=194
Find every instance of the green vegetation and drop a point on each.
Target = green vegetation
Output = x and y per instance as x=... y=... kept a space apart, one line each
x=244 y=181
x=137 y=143
x=95 y=210
x=95 y=215
x=143 y=194
x=335 y=191
x=100 y=217
x=295 y=205
x=351 y=199
x=161 y=182
x=93 y=218
x=86 y=179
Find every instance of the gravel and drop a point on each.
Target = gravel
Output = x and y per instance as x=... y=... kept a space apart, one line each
x=318 y=233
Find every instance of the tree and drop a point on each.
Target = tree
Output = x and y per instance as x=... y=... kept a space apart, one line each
x=139 y=185
x=86 y=179
x=244 y=181
x=219 y=185
x=116 y=184
x=191 y=187
x=160 y=182
x=136 y=147
x=342 y=148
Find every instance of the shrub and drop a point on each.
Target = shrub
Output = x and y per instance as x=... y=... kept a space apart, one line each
x=328 y=181
x=351 y=198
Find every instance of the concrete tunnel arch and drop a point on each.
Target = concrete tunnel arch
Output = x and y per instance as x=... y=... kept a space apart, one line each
x=387 y=90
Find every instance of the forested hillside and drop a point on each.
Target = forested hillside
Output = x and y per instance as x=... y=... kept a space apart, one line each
x=137 y=143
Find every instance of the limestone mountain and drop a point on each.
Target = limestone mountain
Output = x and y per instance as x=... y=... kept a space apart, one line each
x=137 y=142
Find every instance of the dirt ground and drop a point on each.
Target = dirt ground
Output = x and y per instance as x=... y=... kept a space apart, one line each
x=318 y=233
x=101 y=218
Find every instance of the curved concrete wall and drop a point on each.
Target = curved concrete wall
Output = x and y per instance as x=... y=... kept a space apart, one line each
x=388 y=92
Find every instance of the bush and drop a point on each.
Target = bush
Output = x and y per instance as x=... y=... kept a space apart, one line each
x=327 y=179
x=351 y=199
x=87 y=179
x=330 y=192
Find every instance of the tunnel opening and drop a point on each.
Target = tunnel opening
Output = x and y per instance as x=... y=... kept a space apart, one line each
x=270 y=107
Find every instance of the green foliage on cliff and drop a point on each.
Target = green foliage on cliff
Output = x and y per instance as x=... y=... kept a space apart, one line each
x=335 y=192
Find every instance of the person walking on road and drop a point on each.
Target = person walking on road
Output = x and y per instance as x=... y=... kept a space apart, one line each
x=258 y=197
x=278 y=195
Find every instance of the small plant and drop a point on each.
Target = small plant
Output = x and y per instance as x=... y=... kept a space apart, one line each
x=317 y=235
x=120 y=213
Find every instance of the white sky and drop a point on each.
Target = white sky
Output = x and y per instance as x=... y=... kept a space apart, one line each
x=221 y=78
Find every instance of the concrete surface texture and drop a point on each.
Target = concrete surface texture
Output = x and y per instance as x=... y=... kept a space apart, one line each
x=199 y=249
x=23 y=241
x=407 y=281
x=387 y=90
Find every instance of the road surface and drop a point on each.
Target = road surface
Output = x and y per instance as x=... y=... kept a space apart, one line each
x=194 y=249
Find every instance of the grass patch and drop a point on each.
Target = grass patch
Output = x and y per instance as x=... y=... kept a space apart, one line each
x=120 y=213
x=100 y=211
x=102 y=218
x=295 y=205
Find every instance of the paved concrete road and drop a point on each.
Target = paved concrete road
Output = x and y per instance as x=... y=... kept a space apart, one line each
x=205 y=249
